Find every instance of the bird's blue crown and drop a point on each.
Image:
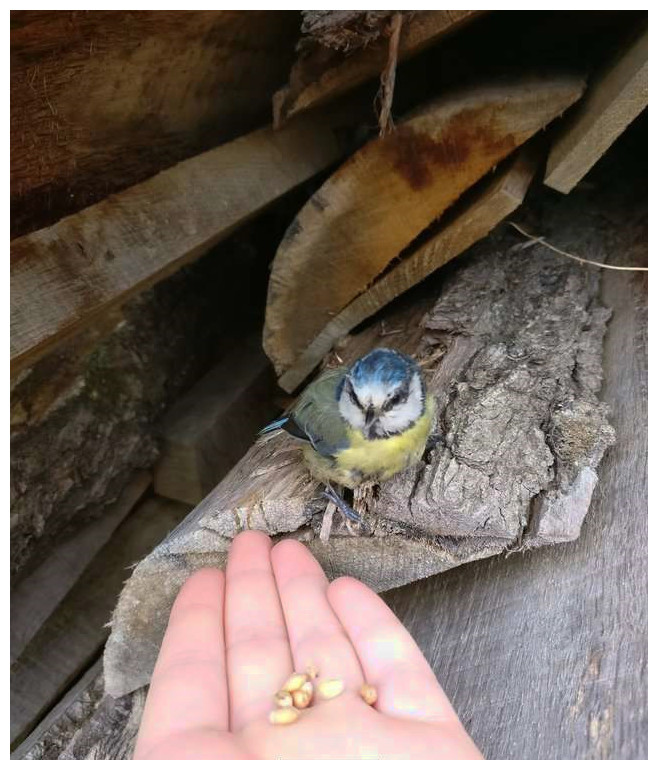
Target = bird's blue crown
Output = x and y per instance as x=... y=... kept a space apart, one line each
x=384 y=366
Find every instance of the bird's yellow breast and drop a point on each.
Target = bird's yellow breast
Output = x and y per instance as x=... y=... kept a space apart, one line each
x=381 y=458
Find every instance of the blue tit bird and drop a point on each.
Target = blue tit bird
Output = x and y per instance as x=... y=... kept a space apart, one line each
x=363 y=423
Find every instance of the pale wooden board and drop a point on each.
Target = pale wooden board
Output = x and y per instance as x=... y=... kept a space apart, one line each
x=387 y=193
x=35 y=598
x=214 y=424
x=75 y=633
x=544 y=654
x=315 y=79
x=612 y=102
x=65 y=274
x=498 y=199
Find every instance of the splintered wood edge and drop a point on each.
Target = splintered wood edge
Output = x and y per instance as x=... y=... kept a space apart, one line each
x=608 y=107
x=499 y=199
x=419 y=31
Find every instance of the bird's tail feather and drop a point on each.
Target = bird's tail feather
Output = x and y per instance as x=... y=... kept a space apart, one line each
x=276 y=425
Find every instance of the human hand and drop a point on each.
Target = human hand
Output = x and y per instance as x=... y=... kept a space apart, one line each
x=233 y=640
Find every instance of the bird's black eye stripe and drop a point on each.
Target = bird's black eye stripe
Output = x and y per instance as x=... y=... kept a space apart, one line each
x=350 y=392
x=396 y=398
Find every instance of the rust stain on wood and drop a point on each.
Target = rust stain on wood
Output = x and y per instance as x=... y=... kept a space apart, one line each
x=417 y=156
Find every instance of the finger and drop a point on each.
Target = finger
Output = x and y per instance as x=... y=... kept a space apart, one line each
x=257 y=650
x=315 y=633
x=188 y=688
x=390 y=658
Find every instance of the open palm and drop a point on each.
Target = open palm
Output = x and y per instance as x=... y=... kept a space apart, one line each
x=233 y=640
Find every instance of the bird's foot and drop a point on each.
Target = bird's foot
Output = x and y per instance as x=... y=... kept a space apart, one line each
x=342 y=506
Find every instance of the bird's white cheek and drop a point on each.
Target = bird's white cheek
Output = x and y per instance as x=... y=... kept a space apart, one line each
x=351 y=413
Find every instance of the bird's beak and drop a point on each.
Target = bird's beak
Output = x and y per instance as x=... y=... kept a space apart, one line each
x=370 y=416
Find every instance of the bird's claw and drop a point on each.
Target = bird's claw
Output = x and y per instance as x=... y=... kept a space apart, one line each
x=342 y=506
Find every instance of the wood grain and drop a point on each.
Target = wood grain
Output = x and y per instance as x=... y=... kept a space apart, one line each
x=75 y=633
x=498 y=199
x=68 y=273
x=321 y=74
x=387 y=193
x=612 y=102
x=101 y=100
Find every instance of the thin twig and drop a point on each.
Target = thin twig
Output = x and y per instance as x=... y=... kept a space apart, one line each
x=544 y=242
x=385 y=95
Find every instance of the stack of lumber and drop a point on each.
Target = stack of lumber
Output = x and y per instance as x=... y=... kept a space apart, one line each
x=510 y=337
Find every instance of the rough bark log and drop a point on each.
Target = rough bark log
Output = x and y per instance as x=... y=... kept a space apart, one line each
x=512 y=350
x=390 y=191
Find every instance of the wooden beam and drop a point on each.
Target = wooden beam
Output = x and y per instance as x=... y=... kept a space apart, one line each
x=322 y=75
x=387 y=193
x=37 y=596
x=65 y=274
x=73 y=636
x=611 y=103
x=214 y=423
x=499 y=198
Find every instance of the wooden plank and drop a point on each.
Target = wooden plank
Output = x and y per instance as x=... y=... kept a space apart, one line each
x=387 y=193
x=322 y=75
x=101 y=100
x=611 y=103
x=544 y=654
x=214 y=424
x=60 y=720
x=73 y=636
x=65 y=274
x=36 y=597
x=498 y=199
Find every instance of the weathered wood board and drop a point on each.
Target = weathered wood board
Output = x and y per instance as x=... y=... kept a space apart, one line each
x=76 y=631
x=101 y=100
x=499 y=198
x=37 y=596
x=614 y=99
x=387 y=193
x=64 y=275
x=214 y=424
x=321 y=74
